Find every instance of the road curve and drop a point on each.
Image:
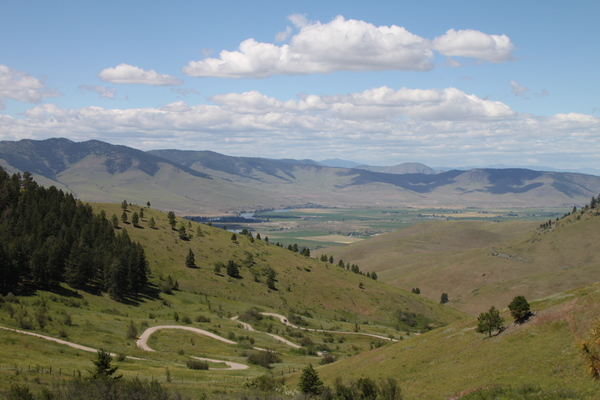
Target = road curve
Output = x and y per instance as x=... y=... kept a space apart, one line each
x=286 y=322
x=142 y=343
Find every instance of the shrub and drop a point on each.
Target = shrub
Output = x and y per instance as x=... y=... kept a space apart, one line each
x=327 y=359
x=197 y=364
x=263 y=358
x=265 y=383
x=201 y=318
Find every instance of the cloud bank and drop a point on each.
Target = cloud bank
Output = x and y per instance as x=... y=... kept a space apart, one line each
x=348 y=45
x=379 y=125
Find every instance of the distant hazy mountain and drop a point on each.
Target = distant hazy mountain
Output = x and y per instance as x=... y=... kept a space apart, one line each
x=404 y=168
x=588 y=171
x=205 y=182
x=339 y=163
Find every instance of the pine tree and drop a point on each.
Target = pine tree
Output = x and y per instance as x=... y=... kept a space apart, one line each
x=124 y=217
x=444 y=298
x=124 y=205
x=233 y=270
x=310 y=383
x=115 y=221
x=190 y=260
x=152 y=223
x=489 y=322
x=520 y=309
x=104 y=370
x=172 y=220
x=135 y=219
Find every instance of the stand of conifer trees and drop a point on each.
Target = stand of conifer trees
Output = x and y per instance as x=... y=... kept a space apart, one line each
x=47 y=237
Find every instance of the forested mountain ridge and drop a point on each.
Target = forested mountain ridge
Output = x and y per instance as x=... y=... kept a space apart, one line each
x=205 y=183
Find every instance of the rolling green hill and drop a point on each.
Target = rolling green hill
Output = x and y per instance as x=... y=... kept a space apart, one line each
x=480 y=264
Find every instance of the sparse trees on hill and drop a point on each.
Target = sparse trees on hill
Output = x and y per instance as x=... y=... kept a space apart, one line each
x=489 y=322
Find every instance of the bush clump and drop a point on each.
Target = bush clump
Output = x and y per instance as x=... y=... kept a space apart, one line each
x=197 y=364
x=263 y=358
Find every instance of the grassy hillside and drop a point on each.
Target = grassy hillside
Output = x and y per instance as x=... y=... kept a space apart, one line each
x=481 y=264
x=442 y=364
x=323 y=296
x=303 y=285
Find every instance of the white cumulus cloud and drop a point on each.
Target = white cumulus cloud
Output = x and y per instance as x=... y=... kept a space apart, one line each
x=348 y=45
x=125 y=73
x=340 y=45
x=474 y=44
x=18 y=85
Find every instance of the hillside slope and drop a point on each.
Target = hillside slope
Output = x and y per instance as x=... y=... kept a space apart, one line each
x=303 y=285
x=443 y=364
x=482 y=264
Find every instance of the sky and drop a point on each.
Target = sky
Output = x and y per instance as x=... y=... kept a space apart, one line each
x=442 y=83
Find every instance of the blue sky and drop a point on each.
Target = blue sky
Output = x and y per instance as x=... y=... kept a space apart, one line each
x=442 y=83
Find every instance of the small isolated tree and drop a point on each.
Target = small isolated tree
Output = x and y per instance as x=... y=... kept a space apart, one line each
x=190 y=260
x=310 y=383
x=489 y=322
x=135 y=219
x=416 y=290
x=148 y=204
x=444 y=298
x=124 y=205
x=142 y=212
x=172 y=220
x=152 y=223
x=104 y=370
x=124 y=217
x=374 y=275
x=233 y=237
x=520 y=309
x=233 y=270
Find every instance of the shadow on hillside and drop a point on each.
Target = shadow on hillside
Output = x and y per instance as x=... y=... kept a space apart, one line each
x=149 y=293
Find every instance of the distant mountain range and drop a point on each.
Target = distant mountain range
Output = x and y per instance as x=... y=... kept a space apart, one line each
x=206 y=183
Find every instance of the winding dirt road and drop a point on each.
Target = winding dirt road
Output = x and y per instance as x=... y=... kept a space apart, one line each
x=142 y=341
x=286 y=322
